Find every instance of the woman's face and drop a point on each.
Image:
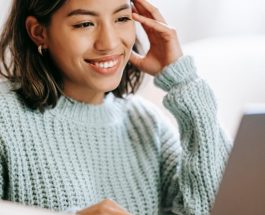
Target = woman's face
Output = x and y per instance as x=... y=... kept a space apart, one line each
x=90 y=42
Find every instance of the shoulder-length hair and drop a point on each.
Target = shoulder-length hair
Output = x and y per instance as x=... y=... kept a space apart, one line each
x=35 y=78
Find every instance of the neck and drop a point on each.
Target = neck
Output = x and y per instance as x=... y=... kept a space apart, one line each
x=84 y=95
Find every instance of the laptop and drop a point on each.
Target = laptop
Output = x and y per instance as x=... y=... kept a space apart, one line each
x=242 y=189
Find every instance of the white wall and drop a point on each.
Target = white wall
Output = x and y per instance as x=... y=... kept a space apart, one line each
x=4 y=5
x=197 y=19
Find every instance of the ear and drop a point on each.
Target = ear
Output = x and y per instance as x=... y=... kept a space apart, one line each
x=36 y=31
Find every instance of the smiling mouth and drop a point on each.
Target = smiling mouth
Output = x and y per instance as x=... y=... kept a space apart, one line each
x=105 y=65
x=105 y=62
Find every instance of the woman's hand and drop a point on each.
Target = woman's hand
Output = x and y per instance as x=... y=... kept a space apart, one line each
x=105 y=207
x=164 y=45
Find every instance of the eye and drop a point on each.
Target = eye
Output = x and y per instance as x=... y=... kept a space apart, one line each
x=124 y=19
x=84 y=25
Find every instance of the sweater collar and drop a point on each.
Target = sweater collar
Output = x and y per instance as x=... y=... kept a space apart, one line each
x=107 y=112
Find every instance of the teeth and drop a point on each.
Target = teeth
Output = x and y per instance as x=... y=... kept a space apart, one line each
x=107 y=64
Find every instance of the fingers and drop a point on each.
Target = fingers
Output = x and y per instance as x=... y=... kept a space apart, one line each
x=151 y=23
x=146 y=9
x=149 y=16
x=134 y=9
x=106 y=206
x=141 y=10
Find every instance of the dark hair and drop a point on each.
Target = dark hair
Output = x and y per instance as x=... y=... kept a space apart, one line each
x=35 y=78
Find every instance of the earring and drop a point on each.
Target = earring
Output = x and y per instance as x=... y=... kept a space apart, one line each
x=40 y=50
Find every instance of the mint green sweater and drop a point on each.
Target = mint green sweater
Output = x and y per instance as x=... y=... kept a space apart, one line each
x=77 y=154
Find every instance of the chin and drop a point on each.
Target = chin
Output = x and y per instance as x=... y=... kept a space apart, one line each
x=108 y=88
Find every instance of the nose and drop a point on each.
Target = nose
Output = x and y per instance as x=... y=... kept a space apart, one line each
x=107 y=39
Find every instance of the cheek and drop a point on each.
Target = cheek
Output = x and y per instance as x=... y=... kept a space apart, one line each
x=70 y=44
x=64 y=42
x=67 y=50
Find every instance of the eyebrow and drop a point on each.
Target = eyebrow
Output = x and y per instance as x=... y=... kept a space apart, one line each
x=94 y=13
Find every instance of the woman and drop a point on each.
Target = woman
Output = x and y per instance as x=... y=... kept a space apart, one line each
x=71 y=137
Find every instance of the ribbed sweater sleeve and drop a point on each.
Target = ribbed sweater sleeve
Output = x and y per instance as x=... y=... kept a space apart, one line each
x=191 y=176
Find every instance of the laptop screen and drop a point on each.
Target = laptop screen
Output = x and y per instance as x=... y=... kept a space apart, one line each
x=242 y=190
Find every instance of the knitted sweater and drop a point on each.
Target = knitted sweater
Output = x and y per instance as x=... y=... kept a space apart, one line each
x=77 y=154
